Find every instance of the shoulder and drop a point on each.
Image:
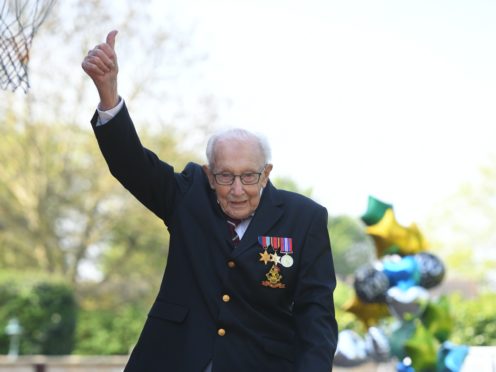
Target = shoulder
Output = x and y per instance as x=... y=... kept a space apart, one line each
x=192 y=176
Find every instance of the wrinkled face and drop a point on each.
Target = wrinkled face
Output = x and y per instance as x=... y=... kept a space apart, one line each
x=238 y=157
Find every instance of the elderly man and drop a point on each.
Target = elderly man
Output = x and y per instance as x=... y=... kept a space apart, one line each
x=249 y=279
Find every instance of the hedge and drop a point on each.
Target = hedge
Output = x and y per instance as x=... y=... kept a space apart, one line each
x=45 y=308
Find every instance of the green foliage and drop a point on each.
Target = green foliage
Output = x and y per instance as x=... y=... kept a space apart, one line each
x=60 y=209
x=46 y=310
x=351 y=246
x=109 y=331
x=54 y=199
x=342 y=295
x=474 y=320
x=286 y=183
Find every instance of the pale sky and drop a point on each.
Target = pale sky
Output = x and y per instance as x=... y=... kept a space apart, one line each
x=394 y=99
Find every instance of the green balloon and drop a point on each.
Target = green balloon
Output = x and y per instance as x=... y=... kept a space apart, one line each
x=399 y=336
x=375 y=211
x=437 y=319
x=422 y=349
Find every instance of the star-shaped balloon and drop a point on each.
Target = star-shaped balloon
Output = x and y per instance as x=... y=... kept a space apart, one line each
x=422 y=349
x=437 y=318
x=383 y=246
x=391 y=233
x=414 y=241
x=450 y=357
x=375 y=211
x=369 y=314
x=399 y=336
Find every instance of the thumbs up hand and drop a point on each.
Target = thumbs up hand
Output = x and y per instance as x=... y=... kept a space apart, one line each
x=100 y=64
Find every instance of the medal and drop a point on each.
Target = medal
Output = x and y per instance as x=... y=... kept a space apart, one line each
x=287 y=260
x=275 y=258
x=264 y=242
x=273 y=278
x=265 y=257
x=287 y=249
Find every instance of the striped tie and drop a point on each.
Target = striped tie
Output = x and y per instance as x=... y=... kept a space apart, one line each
x=231 y=224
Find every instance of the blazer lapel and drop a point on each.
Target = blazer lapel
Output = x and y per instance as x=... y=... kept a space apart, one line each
x=267 y=214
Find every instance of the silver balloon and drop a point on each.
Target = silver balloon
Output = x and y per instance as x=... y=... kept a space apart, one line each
x=370 y=284
x=411 y=301
x=431 y=269
x=377 y=344
x=350 y=350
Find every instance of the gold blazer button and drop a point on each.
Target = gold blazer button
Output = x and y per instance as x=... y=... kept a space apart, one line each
x=221 y=332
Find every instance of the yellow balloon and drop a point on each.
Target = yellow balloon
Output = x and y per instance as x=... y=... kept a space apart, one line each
x=388 y=232
x=368 y=313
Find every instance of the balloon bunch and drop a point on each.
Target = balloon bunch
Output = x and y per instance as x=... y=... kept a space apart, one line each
x=396 y=286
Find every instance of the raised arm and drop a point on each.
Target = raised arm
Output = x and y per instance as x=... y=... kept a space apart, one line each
x=100 y=64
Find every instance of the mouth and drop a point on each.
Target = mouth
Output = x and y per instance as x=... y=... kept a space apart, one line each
x=238 y=204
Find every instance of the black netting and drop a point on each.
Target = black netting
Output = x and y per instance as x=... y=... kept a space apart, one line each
x=19 y=21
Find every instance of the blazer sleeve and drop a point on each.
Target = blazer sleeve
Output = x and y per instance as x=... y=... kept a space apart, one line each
x=138 y=169
x=313 y=310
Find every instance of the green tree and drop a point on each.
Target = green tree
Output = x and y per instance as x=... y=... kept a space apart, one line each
x=287 y=183
x=351 y=246
x=61 y=212
x=61 y=209
x=474 y=319
x=45 y=308
x=58 y=201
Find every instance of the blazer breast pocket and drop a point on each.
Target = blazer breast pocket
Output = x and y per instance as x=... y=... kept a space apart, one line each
x=168 y=311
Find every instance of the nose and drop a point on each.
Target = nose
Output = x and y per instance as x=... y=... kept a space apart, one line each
x=237 y=186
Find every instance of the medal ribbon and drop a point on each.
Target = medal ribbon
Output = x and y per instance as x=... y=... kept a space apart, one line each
x=275 y=243
x=286 y=245
x=264 y=241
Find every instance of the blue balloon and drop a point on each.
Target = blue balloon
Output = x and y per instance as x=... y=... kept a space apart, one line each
x=451 y=356
x=402 y=273
x=405 y=366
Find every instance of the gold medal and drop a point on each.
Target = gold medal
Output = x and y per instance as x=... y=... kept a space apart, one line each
x=274 y=278
x=265 y=257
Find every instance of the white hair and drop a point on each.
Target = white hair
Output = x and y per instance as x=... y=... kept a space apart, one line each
x=237 y=134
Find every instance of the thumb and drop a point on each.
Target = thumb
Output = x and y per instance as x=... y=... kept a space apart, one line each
x=111 y=38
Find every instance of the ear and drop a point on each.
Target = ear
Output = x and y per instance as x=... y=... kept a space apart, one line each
x=206 y=169
x=265 y=174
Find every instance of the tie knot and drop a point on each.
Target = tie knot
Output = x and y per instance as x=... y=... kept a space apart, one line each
x=233 y=222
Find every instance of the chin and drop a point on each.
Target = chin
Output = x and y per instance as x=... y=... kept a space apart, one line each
x=239 y=214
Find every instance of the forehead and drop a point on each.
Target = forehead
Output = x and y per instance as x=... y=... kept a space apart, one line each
x=237 y=155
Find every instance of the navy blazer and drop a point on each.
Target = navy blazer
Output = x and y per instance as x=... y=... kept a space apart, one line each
x=212 y=305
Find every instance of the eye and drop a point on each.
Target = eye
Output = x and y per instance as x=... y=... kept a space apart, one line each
x=249 y=176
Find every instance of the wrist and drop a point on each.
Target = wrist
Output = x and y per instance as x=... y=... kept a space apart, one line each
x=108 y=99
